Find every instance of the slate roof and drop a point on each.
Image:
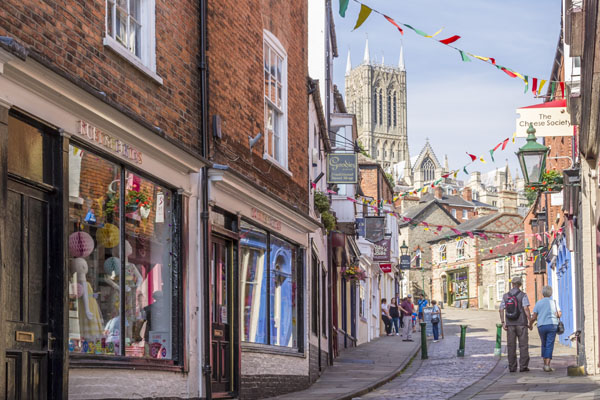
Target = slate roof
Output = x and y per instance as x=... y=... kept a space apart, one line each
x=477 y=223
x=417 y=210
x=509 y=247
x=453 y=200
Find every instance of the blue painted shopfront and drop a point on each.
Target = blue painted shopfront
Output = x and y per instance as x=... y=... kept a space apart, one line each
x=560 y=277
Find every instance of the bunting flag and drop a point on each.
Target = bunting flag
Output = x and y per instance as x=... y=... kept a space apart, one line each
x=391 y=21
x=482 y=160
x=552 y=89
x=362 y=16
x=514 y=136
x=464 y=56
x=507 y=71
x=450 y=40
x=534 y=86
x=418 y=32
x=506 y=142
x=492 y=155
x=343 y=7
x=314 y=185
x=562 y=89
x=465 y=169
x=542 y=83
x=473 y=157
x=455 y=173
x=526 y=84
x=439 y=228
x=435 y=34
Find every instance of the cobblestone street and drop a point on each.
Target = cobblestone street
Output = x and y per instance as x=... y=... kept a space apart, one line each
x=444 y=374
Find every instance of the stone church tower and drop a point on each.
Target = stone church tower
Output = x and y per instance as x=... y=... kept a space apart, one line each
x=376 y=94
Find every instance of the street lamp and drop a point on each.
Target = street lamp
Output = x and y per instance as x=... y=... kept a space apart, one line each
x=404 y=248
x=532 y=158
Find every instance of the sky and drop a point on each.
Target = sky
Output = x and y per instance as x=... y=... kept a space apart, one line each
x=460 y=106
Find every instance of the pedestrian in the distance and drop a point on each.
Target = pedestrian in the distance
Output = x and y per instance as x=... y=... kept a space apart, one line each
x=407 y=311
x=515 y=317
x=422 y=304
x=436 y=316
x=394 y=310
x=385 y=316
x=547 y=313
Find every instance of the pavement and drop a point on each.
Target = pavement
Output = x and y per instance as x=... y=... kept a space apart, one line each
x=360 y=369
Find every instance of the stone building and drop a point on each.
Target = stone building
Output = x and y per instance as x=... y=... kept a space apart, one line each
x=376 y=94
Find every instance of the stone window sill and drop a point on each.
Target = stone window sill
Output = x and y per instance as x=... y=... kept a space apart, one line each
x=133 y=60
x=264 y=348
x=277 y=164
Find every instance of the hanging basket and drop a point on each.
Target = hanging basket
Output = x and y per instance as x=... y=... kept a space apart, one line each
x=354 y=273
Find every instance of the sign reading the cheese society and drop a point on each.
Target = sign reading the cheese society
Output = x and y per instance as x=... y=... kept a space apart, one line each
x=342 y=168
x=548 y=119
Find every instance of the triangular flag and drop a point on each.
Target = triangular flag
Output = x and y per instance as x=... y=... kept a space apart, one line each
x=465 y=169
x=451 y=39
x=362 y=16
x=542 y=83
x=562 y=88
x=481 y=58
x=435 y=34
x=552 y=89
x=455 y=173
x=455 y=231
x=526 y=79
x=492 y=155
x=534 y=86
x=391 y=21
x=473 y=157
x=516 y=239
x=505 y=143
x=343 y=7
x=439 y=228
x=498 y=145
x=416 y=30
x=514 y=136
x=470 y=234
x=464 y=56
x=482 y=160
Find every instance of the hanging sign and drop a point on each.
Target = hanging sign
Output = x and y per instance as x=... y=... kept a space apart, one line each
x=382 y=250
x=98 y=137
x=160 y=207
x=386 y=268
x=374 y=228
x=405 y=262
x=342 y=168
x=360 y=227
x=548 y=119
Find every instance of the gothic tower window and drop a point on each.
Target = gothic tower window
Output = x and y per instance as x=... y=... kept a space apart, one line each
x=375 y=108
x=389 y=109
x=395 y=112
x=428 y=170
x=380 y=116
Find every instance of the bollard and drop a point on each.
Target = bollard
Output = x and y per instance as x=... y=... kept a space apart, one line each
x=463 y=334
x=423 y=341
x=498 y=349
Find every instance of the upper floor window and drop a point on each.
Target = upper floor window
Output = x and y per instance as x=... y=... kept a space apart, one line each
x=500 y=266
x=418 y=258
x=130 y=32
x=389 y=110
x=375 y=108
x=442 y=251
x=380 y=110
x=460 y=249
x=454 y=212
x=465 y=214
x=275 y=70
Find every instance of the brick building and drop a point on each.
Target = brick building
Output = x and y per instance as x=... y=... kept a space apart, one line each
x=100 y=149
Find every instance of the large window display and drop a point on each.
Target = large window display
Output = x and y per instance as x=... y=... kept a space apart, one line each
x=122 y=255
x=269 y=278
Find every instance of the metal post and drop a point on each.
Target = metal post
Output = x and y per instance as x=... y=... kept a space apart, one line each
x=498 y=349
x=424 y=341
x=463 y=334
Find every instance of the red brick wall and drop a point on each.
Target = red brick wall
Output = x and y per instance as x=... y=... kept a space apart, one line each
x=69 y=34
x=471 y=214
x=236 y=87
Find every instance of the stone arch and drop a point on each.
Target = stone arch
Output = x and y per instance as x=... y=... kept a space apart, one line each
x=428 y=169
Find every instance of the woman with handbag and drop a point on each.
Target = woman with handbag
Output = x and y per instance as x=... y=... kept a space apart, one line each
x=547 y=313
x=436 y=315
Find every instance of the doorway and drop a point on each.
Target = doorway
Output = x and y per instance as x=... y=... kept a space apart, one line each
x=222 y=360
x=491 y=297
x=32 y=327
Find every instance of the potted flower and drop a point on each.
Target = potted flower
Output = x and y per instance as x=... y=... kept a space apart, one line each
x=354 y=273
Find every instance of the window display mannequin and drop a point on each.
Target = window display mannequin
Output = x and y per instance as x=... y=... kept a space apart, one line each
x=90 y=317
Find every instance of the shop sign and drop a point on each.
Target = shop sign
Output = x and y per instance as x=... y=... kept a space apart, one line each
x=374 y=228
x=360 y=227
x=548 y=119
x=266 y=219
x=405 y=262
x=381 y=251
x=386 y=268
x=342 y=168
x=98 y=137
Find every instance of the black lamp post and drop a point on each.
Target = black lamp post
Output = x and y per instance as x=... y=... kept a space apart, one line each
x=404 y=249
x=532 y=158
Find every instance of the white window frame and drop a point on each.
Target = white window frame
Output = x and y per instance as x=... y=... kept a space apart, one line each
x=454 y=212
x=465 y=214
x=418 y=258
x=146 y=62
x=271 y=41
x=499 y=265
x=460 y=249
x=442 y=253
x=500 y=289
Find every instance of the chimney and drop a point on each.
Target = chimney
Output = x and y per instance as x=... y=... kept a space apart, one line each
x=438 y=192
x=508 y=201
x=454 y=192
x=467 y=194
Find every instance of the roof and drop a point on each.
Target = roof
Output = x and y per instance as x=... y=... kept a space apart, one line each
x=426 y=149
x=416 y=211
x=509 y=247
x=477 y=223
x=481 y=204
x=453 y=200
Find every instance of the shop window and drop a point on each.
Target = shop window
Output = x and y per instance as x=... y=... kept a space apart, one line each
x=130 y=32
x=500 y=289
x=460 y=249
x=442 y=252
x=269 y=279
x=26 y=149
x=362 y=304
x=275 y=71
x=500 y=266
x=123 y=261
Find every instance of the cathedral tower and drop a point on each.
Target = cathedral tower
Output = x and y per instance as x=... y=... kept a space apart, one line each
x=376 y=94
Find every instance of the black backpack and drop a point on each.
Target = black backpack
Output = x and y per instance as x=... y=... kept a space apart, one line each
x=511 y=306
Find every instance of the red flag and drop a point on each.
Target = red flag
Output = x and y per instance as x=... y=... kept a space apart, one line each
x=456 y=231
x=450 y=39
x=504 y=143
x=509 y=73
x=439 y=228
x=493 y=60
x=562 y=89
x=516 y=239
x=473 y=158
x=534 y=86
x=445 y=176
x=391 y=21
x=470 y=234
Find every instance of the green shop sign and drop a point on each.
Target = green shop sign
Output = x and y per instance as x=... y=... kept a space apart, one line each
x=342 y=168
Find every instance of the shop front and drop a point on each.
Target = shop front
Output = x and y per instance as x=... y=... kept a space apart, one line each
x=264 y=312
x=458 y=288
x=96 y=243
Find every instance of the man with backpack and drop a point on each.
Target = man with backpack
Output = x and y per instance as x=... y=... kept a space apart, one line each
x=515 y=317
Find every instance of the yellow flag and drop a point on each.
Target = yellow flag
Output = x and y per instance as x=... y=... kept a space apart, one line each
x=482 y=160
x=455 y=173
x=424 y=189
x=514 y=136
x=362 y=16
x=542 y=83
x=435 y=34
x=481 y=58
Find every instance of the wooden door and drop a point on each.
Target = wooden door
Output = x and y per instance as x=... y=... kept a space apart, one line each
x=221 y=306
x=28 y=339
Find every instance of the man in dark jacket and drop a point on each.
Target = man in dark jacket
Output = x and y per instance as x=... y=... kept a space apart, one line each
x=515 y=317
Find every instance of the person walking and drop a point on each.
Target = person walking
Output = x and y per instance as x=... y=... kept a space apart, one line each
x=394 y=310
x=385 y=316
x=547 y=313
x=516 y=318
x=422 y=304
x=407 y=311
x=436 y=317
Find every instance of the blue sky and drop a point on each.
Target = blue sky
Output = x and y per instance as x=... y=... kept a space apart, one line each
x=460 y=106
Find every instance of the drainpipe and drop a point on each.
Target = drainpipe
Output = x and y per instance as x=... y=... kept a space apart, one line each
x=206 y=369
